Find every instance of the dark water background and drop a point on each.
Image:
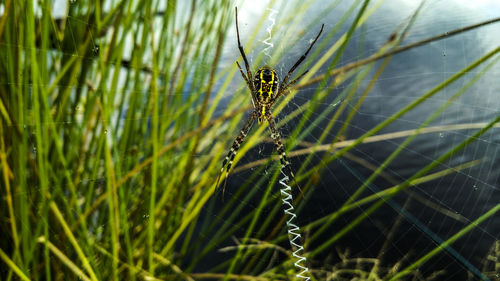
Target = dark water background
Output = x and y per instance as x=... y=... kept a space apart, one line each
x=468 y=193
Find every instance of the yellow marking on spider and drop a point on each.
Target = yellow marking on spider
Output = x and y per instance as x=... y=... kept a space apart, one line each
x=270 y=87
x=262 y=115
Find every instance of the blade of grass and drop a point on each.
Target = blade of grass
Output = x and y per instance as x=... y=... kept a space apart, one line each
x=12 y=265
x=72 y=239
x=403 y=145
x=446 y=243
x=67 y=261
x=403 y=186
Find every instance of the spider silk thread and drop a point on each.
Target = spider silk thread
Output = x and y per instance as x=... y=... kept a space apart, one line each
x=293 y=229
x=267 y=41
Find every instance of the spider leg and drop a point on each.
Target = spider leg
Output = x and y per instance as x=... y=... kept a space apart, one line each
x=242 y=73
x=254 y=99
x=275 y=135
x=234 y=149
x=247 y=66
x=301 y=59
x=284 y=89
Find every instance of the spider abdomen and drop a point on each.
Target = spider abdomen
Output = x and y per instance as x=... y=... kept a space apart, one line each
x=266 y=84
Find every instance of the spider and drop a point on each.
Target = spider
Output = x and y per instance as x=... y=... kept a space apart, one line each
x=266 y=90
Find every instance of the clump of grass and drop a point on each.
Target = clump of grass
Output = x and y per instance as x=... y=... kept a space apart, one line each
x=114 y=120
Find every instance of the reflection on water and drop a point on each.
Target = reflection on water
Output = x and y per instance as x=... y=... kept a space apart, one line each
x=426 y=210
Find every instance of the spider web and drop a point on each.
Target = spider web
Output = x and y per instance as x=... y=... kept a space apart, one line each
x=415 y=222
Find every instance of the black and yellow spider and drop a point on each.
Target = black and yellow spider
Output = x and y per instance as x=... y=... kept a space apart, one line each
x=265 y=89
